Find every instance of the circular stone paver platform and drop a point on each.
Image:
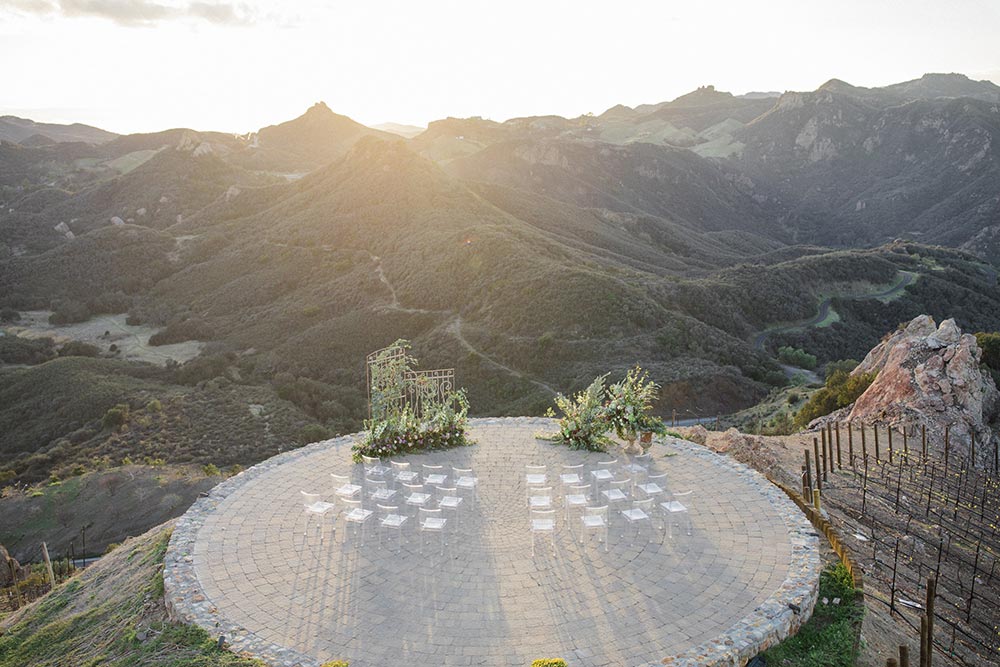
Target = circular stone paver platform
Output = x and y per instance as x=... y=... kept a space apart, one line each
x=239 y=565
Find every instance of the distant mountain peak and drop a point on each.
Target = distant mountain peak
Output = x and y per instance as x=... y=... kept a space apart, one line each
x=319 y=108
x=839 y=86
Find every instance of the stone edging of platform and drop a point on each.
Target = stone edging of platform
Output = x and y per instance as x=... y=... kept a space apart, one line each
x=771 y=622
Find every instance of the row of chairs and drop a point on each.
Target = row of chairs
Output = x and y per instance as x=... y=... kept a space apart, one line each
x=630 y=484
x=423 y=497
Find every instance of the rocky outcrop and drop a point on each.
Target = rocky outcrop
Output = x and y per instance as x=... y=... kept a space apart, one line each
x=930 y=375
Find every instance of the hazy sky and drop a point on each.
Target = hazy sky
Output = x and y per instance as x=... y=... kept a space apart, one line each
x=138 y=65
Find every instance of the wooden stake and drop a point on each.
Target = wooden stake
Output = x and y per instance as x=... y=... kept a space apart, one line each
x=825 y=462
x=947 y=446
x=906 y=444
x=891 y=662
x=904 y=656
x=972 y=588
x=923 y=440
x=931 y=594
x=839 y=464
x=878 y=454
x=923 y=640
x=892 y=589
x=864 y=445
x=13 y=579
x=819 y=473
x=850 y=444
x=888 y=431
x=48 y=565
x=809 y=477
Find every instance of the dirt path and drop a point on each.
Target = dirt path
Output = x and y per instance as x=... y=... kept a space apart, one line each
x=455 y=329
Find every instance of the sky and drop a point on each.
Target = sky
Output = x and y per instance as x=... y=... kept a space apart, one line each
x=235 y=66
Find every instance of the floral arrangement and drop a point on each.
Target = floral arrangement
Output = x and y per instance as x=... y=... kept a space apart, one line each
x=398 y=427
x=629 y=404
x=623 y=407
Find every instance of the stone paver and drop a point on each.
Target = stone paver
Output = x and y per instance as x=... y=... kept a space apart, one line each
x=239 y=565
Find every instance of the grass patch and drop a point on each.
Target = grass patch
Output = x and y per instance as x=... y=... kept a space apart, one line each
x=111 y=615
x=827 y=639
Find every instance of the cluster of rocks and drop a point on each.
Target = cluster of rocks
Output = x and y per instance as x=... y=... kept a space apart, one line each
x=930 y=375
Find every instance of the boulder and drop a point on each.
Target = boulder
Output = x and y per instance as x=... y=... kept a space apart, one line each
x=930 y=375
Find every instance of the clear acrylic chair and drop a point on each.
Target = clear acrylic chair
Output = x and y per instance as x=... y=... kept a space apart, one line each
x=378 y=490
x=356 y=515
x=617 y=492
x=315 y=507
x=571 y=475
x=431 y=521
x=639 y=463
x=540 y=498
x=543 y=521
x=603 y=473
x=638 y=514
x=401 y=472
x=414 y=496
x=465 y=482
x=595 y=519
x=434 y=475
x=532 y=483
x=449 y=501
x=535 y=475
x=575 y=498
x=655 y=485
x=343 y=487
x=373 y=466
x=674 y=509
x=389 y=518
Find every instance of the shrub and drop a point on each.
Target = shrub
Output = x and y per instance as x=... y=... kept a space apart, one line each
x=989 y=343
x=187 y=329
x=115 y=417
x=68 y=312
x=549 y=662
x=794 y=356
x=76 y=348
x=839 y=391
x=210 y=470
x=793 y=398
x=127 y=461
x=336 y=663
x=154 y=406
x=584 y=421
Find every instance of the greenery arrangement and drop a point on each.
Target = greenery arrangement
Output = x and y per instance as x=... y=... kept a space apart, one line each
x=584 y=421
x=827 y=639
x=840 y=390
x=410 y=412
x=548 y=662
x=629 y=404
x=624 y=407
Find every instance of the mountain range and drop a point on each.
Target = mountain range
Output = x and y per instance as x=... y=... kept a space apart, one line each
x=694 y=237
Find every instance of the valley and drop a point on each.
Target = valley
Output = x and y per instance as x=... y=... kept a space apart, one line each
x=216 y=294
